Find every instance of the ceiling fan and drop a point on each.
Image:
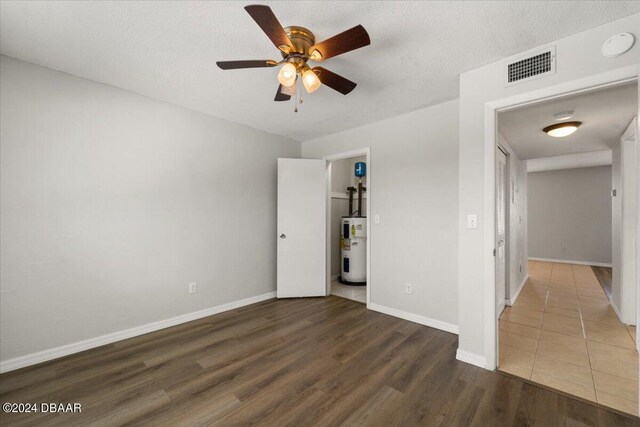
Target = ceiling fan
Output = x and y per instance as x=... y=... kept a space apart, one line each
x=297 y=46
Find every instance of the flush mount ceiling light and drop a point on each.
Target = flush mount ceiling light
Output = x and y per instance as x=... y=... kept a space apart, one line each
x=298 y=45
x=560 y=130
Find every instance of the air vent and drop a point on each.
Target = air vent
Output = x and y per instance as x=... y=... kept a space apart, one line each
x=532 y=66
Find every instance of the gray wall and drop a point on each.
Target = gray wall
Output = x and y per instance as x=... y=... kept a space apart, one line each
x=413 y=186
x=570 y=214
x=112 y=203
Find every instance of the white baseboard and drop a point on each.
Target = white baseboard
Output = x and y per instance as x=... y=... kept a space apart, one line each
x=67 y=349
x=471 y=358
x=616 y=309
x=568 y=261
x=512 y=301
x=443 y=326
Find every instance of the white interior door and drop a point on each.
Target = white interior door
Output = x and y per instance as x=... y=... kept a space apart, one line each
x=501 y=232
x=301 y=228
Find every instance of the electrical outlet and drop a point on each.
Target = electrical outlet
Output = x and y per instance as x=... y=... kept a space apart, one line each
x=193 y=287
x=472 y=221
x=408 y=288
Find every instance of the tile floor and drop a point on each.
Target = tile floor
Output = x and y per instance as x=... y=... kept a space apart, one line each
x=355 y=293
x=562 y=332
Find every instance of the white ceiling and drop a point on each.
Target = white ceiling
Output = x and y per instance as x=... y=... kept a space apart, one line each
x=605 y=115
x=167 y=50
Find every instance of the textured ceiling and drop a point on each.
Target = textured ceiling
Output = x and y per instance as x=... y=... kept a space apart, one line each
x=167 y=50
x=605 y=115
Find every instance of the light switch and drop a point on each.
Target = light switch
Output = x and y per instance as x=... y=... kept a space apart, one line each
x=472 y=221
x=376 y=219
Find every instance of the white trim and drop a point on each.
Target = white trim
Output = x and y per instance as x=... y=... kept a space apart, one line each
x=570 y=161
x=433 y=323
x=630 y=133
x=489 y=261
x=471 y=358
x=365 y=151
x=615 y=308
x=76 y=347
x=347 y=154
x=491 y=109
x=618 y=313
x=512 y=301
x=570 y=261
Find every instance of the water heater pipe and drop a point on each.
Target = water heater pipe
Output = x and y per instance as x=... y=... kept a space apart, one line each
x=351 y=190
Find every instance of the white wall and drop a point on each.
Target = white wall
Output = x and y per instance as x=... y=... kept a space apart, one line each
x=112 y=203
x=517 y=265
x=578 y=56
x=570 y=215
x=342 y=176
x=413 y=187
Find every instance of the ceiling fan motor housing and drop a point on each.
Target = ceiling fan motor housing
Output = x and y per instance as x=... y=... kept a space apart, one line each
x=301 y=39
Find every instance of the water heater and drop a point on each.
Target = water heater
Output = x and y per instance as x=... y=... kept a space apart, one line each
x=354 y=251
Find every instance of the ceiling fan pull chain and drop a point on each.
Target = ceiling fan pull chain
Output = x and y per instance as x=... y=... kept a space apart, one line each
x=297 y=99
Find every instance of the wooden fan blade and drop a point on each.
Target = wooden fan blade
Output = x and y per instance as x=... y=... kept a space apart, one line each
x=234 y=65
x=280 y=95
x=265 y=18
x=349 y=40
x=285 y=93
x=334 y=81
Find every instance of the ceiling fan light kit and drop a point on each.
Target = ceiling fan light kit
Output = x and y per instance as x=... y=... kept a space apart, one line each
x=310 y=80
x=287 y=74
x=297 y=46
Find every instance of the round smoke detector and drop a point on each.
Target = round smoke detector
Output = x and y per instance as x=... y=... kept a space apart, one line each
x=617 y=45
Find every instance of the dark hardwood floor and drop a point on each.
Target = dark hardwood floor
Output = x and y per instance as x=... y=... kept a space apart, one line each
x=604 y=275
x=298 y=362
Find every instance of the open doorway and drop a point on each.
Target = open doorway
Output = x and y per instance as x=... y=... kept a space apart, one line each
x=565 y=213
x=348 y=226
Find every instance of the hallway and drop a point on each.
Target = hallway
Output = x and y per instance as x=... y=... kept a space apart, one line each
x=562 y=333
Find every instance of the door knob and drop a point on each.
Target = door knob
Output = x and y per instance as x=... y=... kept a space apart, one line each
x=283 y=236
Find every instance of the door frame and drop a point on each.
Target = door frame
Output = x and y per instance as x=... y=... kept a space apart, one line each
x=491 y=109
x=365 y=151
x=507 y=220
